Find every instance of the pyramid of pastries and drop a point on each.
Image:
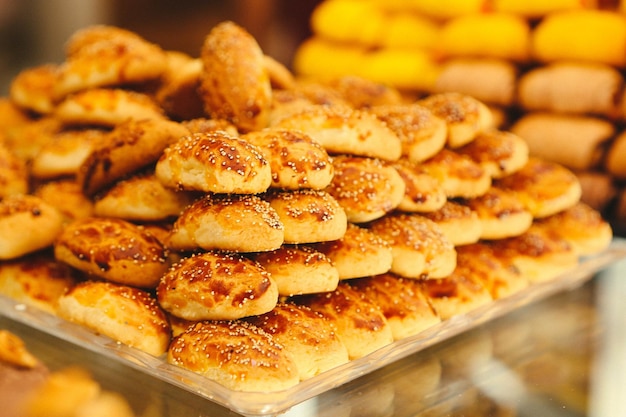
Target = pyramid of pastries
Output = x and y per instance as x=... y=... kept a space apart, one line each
x=238 y=217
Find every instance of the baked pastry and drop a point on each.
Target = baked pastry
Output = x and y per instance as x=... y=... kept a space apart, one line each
x=458 y=222
x=420 y=249
x=363 y=93
x=67 y=197
x=499 y=152
x=500 y=278
x=142 y=198
x=14 y=174
x=112 y=249
x=308 y=216
x=359 y=323
x=359 y=253
x=296 y=161
x=214 y=162
x=235 y=354
x=178 y=90
x=27 y=224
x=344 y=130
x=307 y=335
x=126 y=314
x=37 y=279
x=459 y=175
x=543 y=187
x=422 y=192
x=26 y=140
x=501 y=214
x=206 y=125
x=234 y=82
x=614 y=159
x=421 y=132
x=237 y=222
x=366 y=188
x=32 y=89
x=299 y=269
x=217 y=285
x=280 y=76
x=464 y=115
x=402 y=302
x=131 y=146
x=106 y=107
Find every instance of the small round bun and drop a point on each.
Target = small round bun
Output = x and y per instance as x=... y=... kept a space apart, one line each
x=177 y=93
x=235 y=354
x=27 y=224
x=459 y=175
x=307 y=335
x=422 y=192
x=13 y=173
x=359 y=253
x=309 y=216
x=295 y=159
x=66 y=196
x=366 y=188
x=458 y=222
x=217 y=286
x=299 y=269
x=112 y=249
x=126 y=314
x=214 y=162
x=237 y=222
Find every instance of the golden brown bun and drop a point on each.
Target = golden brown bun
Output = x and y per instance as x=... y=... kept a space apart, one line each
x=598 y=188
x=235 y=354
x=129 y=58
x=307 y=335
x=459 y=175
x=582 y=227
x=14 y=174
x=299 y=269
x=344 y=130
x=458 y=222
x=543 y=187
x=549 y=136
x=359 y=323
x=458 y=293
x=142 y=198
x=538 y=254
x=27 y=140
x=501 y=214
x=13 y=351
x=27 y=224
x=37 y=279
x=280 y=76
x=296 y=161
x=615 y=162
x=366 y=188
x=490 y=80
x=500 y=153
x=309 y=216
x=499 y=278
x=113 y=249
x=419 y=247
x=358 y=253
x=65 y=152
x=66 y=196
x=204 y=125
x=402 y=302
x=464 y=115
x=237 y=222
x=214 y=162
x=106 y=107
x=128 y=148
x=234 y=83
x=422 y=192
x=177 y=93
x=421 y=132
x=217 y=286
x=126 y=314
x=32 y=89
x=363 y=93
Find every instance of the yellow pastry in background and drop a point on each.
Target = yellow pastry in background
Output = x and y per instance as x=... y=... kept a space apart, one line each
x=314 y=55
x=410 y=30
x=495 y=35
x=581 y=35
x=348 y=21
x=539 y=8
x=401 y=68
x=436 y=9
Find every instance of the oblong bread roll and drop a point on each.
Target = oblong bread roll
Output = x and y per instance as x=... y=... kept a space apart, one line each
x=235 y=354
x=216 y=285
x=549 y=136
x=237 y=222
x=615 y=160
x=126 y=314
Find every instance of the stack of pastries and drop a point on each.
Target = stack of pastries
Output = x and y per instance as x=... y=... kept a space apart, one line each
x=551 y=71
x=258 y=227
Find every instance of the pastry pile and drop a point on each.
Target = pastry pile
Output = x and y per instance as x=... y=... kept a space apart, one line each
x=552 y=71
x=257 y=227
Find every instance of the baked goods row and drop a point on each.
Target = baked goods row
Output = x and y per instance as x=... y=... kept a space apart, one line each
x=258 y=228
x=552 y=71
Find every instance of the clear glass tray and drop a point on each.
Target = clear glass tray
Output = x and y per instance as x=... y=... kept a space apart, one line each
x=273 y=403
